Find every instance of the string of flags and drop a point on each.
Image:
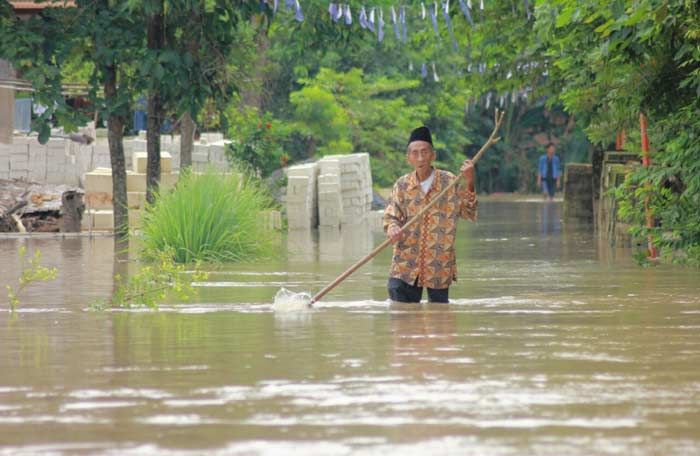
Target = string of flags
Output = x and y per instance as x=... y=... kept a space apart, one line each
x=371 y=18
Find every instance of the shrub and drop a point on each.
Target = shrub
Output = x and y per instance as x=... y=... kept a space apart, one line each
x=209 y=217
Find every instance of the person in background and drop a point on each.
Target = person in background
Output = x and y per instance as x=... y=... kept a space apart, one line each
x=549 y=172
x=424 y=256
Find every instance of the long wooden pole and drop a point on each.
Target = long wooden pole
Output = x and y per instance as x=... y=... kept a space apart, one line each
x=493 y=139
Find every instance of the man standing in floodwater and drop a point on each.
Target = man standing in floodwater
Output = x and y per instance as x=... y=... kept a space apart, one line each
x=424 y=256
x=549 y=172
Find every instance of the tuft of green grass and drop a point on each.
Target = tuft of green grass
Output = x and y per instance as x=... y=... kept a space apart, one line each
x=209 y=217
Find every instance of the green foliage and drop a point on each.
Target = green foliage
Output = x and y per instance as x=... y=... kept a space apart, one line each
x=613 y=60
x=349 y=112
x=259 y=149
x=32 y=271
x=671 y=189
x=209 y=217
x=158 y=279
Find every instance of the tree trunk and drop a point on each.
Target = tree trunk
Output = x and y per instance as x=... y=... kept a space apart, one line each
x=187 y=127
x=115 y=138
x=155 y=111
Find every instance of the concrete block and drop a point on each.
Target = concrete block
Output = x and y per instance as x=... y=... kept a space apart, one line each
x=168 y=180
x=213 y=136
x=19 y=174
x=201 y=148
x=98 y=200
x=58 y=144
x=136 y=200
x=217 y=152
x=140 y=160
x=200 y=157
x=103 y=220
x=135 y=217
x=324 y=190
x=98 y=220
x=97 y=181
x=135 y=182
x=307 y=170
x=19 y=149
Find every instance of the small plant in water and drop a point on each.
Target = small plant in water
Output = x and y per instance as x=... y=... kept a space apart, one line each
x=32 y=272
x=210 y=217
x=156 y=280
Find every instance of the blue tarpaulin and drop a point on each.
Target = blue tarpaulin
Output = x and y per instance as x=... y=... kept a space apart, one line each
x=23 y=114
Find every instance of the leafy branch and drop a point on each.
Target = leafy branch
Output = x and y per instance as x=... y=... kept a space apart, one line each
x=32 y=271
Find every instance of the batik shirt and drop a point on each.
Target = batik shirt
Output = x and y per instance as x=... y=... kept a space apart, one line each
x=427 y=251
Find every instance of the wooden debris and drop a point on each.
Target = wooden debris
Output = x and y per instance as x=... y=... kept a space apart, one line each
x=37 y=207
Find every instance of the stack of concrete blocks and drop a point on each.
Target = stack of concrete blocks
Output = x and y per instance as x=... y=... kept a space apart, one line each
x=330 y=199
x=355 y=187
x=61 y=161
x=99 y=214
x=301 y=199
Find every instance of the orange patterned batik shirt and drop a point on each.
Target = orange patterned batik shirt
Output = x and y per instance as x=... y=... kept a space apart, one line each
x=427 y=252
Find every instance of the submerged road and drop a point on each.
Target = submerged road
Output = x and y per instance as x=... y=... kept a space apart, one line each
x=552 y=344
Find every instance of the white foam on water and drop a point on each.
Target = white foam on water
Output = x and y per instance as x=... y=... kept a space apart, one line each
x=288 y=301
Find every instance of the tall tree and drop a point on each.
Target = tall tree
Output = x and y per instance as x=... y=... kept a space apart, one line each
x=102 y=33
x=185 y=62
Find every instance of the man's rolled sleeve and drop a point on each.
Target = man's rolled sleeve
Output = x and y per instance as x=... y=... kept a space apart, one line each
x=468 y=207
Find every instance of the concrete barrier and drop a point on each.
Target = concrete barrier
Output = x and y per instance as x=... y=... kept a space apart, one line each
x=578 y=192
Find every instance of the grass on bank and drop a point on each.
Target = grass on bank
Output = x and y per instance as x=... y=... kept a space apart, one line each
x=209 y=217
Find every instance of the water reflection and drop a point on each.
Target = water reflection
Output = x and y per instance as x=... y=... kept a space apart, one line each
x=345 y=244
x=301 y=246
x=550 y=218
x=422 y=335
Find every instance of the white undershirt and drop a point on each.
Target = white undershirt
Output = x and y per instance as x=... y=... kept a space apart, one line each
x=425 y=185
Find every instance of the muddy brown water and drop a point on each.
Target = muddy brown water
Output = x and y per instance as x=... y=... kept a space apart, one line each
x=552 y=344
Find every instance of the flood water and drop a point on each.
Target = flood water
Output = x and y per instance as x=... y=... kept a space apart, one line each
x=552 y=344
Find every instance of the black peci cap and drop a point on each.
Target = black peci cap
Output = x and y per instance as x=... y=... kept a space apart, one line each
x=421 y=134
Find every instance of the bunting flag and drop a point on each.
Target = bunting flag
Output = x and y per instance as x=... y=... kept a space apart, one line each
x=363 y=18
x=465 y=10
x=395 y=23
x=298 y=15
x=403 y=24
x=374 y=21
x=448 y=21
x=380 y=26
x=433 y=18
